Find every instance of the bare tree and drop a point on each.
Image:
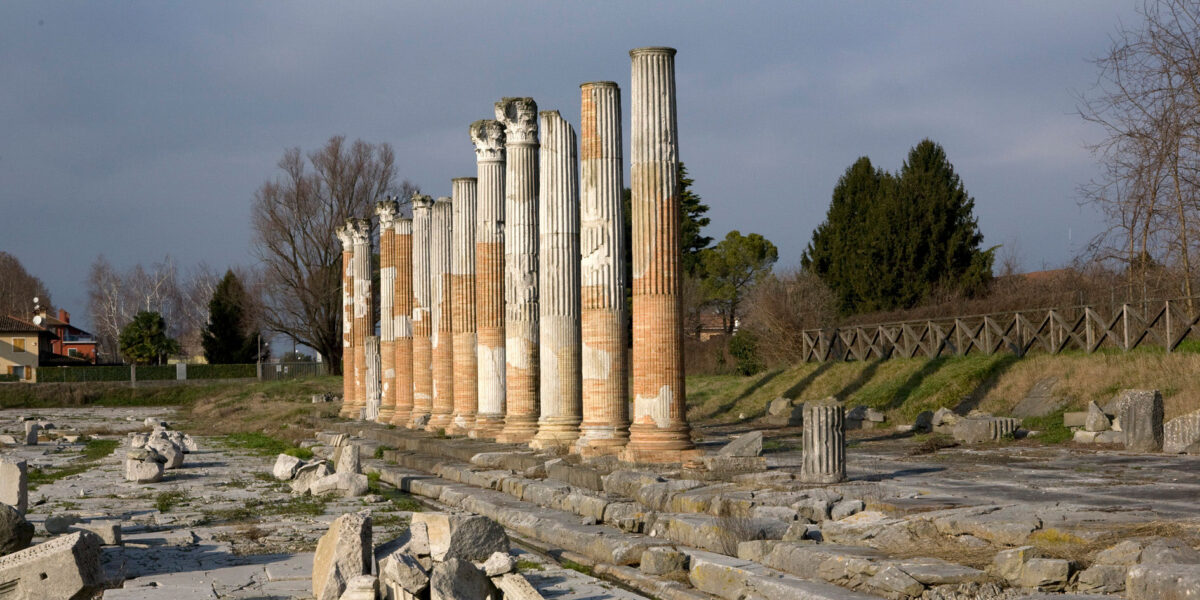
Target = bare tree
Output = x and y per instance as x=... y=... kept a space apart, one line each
x=1147 y=99
x=295 y=218
x=18 y=288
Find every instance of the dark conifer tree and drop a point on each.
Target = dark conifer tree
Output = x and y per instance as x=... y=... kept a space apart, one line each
x=227 y=339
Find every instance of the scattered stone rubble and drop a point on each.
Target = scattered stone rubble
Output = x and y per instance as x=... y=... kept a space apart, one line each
x=152 y=454
x=315 y=477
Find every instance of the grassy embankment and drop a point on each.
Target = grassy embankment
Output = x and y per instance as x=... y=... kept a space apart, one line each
x=905 y=387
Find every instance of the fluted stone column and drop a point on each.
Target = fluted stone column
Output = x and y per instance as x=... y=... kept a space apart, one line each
x=422 y=320
x=387 y=211
x=402 y=311
x=519 y=116
x=373 y=378
x=824 y=459
x=347 y=240
x=558 y=284
x=605 y=426
x=442 y=341
x=364 y=313
x=462 y=281
x=488 y=138
x=660 y=431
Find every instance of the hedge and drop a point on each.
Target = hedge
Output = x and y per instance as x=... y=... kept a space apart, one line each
x=221 y=371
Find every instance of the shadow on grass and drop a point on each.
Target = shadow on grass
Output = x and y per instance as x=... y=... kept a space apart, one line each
x=746 y=393
x=863 y=377
x=914 y=381
x=799 y=387
x=987 y=383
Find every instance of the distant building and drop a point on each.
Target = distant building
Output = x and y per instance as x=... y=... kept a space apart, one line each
x=22 y=346
x=71 y=341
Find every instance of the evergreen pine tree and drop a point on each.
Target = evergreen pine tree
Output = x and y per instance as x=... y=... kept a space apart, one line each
x=227 y=339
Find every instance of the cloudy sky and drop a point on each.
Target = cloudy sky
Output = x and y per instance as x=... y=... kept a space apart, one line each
x=141 y=129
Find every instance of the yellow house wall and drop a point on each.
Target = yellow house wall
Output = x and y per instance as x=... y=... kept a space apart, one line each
x=10 y=357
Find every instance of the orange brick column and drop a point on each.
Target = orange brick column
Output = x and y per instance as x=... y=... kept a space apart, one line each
x=422 y=322
x=488 y=138
x=442 y=341
x=558 y=284
x=387 y=211
x=660 y=431
x=402 y=310
x=347 y=240
x=605 y=427
x=519 y=116
x=364 y=313
x=462 y=282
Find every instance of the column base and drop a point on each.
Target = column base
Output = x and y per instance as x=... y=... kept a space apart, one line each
x=600 y=440
x=555 y=433
x=487 y=427
x=418 y=420
x=402 y=417
x=822 y=478
x=439 y=421
x=518 y=430
x=652 y=444
x=386 y=415
x=461 y=425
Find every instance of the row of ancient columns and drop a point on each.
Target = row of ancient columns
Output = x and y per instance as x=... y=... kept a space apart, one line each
x=503 y=311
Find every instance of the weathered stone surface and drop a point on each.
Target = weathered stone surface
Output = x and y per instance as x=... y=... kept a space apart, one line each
x=1169 y=551
x=626 y=483
x=15 y=531
x=286 y=467
x=165 y=447
x=1181 y=432
x=1110 y=437
x=307 y=475
x=1075 y=418
x=67 y=566
x=785 y=412
x=458 y=579
x=57 y=524
x=14 y=484
x=108 y=531
x=498 y=564
x=1162 y=582
x=361 y=587
x=1045 y=574
x=944 y=417
x=891 y=580
x=516 y=587
x=976 y=430
x=747 y=444
x=348 y=485
x=734 y=464
x=1008 y=564
x=656 y=496
x=662 y=560
x=1096 y=419
x=1105 y=579
x=342 y=553
x=472 y=538
x=143 y=471
x=399 y=572
x=933 y=571
x=1123 y=553
x=1142 y=420
x=845 y=508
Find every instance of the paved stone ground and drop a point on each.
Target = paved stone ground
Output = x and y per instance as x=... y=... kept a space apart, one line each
x=229 y=529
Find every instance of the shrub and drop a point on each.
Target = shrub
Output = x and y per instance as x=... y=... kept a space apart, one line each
x=743 y=346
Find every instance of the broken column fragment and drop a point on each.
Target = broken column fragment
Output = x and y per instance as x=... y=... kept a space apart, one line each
x=388 y=211
x=1142 y=420
x=462 y=282
x=14 y=484
x=442 y=338
x=660 y=431
x=558 y=285
x=824 y=459
x=488 y=139
x=402 y=311
x=604 y=354
x=519 y=116
x=421 y=320
x=347 y=240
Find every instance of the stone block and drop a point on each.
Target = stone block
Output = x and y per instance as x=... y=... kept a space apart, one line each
x=734 y=464
x=67 y=566
x=1162 y=582
x=343 y=553
x=748 y=444
x=458 y=579
x=845 y=508
x=1110 y=437
x=1124 y=553
x=516 y=587
x=143 y=471
x=1096 y=419
x=307 y=475
x=469 y=537
x=361 y=587
x=498 y=564
x=345 y=484
x=662 y=560
x=1181 y=432
x=891 y=580
x=59 y=524
x=1169 y=551
x=1084 y=437
x=977 y=430
x=1102 y=579
x=109 y=531
x=576 y=475
x=626 y=483
x=14 y=484
x=348 y=460
x=779 y=406
x=1007 y=564
x=1045 y=574
x=401 y=574
x=1142 y=420
x=789 y=413
x=286 y=467
x=15 y=531
x=944 y=417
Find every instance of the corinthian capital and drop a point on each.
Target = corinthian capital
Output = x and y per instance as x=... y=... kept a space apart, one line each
x=360 y=230
x=519 y=116
x=344 y=236
x=387 y=211
x=421 y=202
x=488 y=137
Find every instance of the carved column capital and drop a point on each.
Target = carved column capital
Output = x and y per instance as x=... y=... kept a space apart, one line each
x=387 y=211
x=422 y=202
x=360 y=231
x=488 y=137
x=519 y=116
x=345 y=237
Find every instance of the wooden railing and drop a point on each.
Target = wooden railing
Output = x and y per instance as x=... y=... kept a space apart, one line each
x=1162 y=323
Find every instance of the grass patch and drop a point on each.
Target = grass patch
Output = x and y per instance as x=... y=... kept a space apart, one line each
x=265 y=445
x=93 y=452
x=97 y=449
x=529 y=565
x=400 y=500
x=1050 y=428
x=165 y=501
x=255 y=510
x=574 y=566
x=379 y=450
x=929 y=443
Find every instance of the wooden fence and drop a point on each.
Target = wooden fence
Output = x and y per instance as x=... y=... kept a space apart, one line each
x=1163 y=323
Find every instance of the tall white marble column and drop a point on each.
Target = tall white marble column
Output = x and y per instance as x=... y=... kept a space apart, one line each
x=402 y=314
x=387 y=211
x=488 y=139
x=442 y=340
x=422 y=320
x=462 y=279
